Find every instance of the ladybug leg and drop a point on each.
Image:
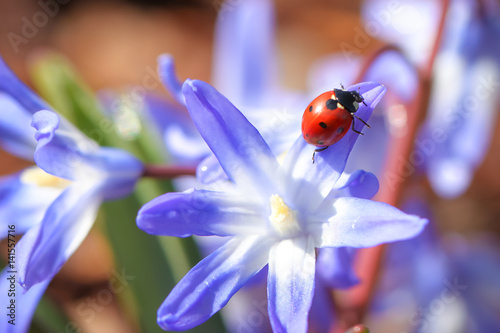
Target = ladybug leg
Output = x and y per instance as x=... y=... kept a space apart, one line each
x=355 y=131
x=317 y=150
x=364 y=122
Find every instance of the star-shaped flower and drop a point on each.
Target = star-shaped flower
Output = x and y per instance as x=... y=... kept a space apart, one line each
x=276 y=214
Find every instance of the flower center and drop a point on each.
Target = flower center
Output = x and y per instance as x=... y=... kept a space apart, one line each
x=282 y=218
x=36 y=176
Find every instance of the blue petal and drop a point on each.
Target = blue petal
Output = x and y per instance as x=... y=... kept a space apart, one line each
x=364 y=223
x=322 y=314
x=166 y=71
x=210 y=284
x=201 y=213
x=244 y=55
x=46 y=247
x=359 y=184
x=67 y=153
x=291 y=284
x=209 y=170
x=13 y=87
x=25 y=303
x=240 y=149
x=457 y=138
x=335 y=267
x=60 y=153
x=370 y=151
x=23 y=204
x=182 y=140
x=311 y=182
x=16 y=133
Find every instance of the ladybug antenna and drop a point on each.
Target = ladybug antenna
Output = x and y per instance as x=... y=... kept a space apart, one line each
x=342 y=86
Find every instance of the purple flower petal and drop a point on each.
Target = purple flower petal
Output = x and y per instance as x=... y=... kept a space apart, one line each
x=200 y=212
x=46 y=247
x=244 y=55
x=370 y=151
x=291 y=284
x=25 y=303
x=16 y=133
x=359 y=184
x=60 y=153
x=22 y=203
x=166 y=71
x=17 y=90
x=209 y=170
x=210 y=284
x=65 y=152
x=240 y=149
x=322 y=314
x=365 y=223
x=335 y=267
x=319 y=177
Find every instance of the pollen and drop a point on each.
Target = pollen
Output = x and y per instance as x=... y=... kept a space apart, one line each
x=282 y=218
x=36 y=176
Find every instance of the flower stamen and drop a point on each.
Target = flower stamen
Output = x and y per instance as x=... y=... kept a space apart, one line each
x=282 y=218
x=36 y=176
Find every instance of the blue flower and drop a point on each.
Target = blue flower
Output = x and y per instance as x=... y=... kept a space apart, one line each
x=462 y=112
x=21 y=199
x=54 y=203
x=92 y=174
x=275 y=214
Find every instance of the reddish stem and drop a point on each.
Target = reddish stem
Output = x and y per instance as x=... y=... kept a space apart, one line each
x=369 y=261
x=168 y=172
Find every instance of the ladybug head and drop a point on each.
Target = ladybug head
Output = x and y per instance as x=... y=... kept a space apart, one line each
x=357 y=96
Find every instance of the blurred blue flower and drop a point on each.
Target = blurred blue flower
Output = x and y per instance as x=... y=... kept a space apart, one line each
x=55 y=203
x=466 y=75
x=245 y=71
x=91 y=175
x=277 y=214
x=464 y=101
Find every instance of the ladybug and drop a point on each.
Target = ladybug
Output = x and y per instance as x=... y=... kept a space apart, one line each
x=328 y=117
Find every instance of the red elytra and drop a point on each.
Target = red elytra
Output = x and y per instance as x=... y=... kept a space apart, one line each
x=329 y=116
x=325 y=121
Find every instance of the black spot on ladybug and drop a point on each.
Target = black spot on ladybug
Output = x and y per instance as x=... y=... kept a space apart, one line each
x=331 y=104
x=310 y=108
x=307 y=135
x=320 y=142
x=322 y=124
x=340 y=130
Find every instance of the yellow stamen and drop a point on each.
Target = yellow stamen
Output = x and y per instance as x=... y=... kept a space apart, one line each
x=282 y=218
x=36 y=176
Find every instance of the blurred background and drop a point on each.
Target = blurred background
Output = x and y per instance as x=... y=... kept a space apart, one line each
x=115 y=44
